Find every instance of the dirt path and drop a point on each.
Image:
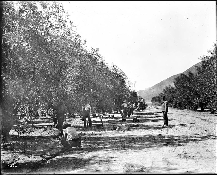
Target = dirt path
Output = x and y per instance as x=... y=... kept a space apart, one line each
x=188 y=146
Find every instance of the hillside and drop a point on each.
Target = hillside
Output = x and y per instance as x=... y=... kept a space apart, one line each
x=158 y=88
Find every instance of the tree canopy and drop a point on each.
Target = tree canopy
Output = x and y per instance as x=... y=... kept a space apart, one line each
x=195 y=90
x=46 y=62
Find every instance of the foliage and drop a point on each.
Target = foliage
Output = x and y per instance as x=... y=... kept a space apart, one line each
x=194 y=90
x=46 y=63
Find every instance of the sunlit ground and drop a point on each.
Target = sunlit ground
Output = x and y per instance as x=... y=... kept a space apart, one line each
x=187 y=146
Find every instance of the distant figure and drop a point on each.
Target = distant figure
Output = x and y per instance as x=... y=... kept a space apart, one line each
x=70 y=137
x=165 y=111
x=94 y=113
x=130 y=109
x=136 y=105
x=86 y=114
x=59 y=111
x=54 y=117
x=54 y=120
x=139 y=106
x=124 y=110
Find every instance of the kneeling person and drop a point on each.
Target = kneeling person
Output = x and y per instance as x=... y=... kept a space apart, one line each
x=71 y=138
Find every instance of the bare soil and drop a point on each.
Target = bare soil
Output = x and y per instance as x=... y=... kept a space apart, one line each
x=187 y=146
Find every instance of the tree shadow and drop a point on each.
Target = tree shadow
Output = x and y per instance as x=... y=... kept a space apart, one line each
x=140 y=142
x=55 y=165
x=67 y=161
x=141 y=122
x=153 y=127
x=135 y=168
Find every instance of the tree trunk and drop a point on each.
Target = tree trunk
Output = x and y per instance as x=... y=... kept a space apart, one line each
x=7 y=109
x=60 y=113
x=201 y=105
x=7 y=124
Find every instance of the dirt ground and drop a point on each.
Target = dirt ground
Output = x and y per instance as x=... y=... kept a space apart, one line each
x=187 y=146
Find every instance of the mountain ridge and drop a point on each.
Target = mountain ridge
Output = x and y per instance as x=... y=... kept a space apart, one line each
x=155 y=90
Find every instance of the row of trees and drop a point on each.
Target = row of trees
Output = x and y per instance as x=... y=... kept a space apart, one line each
x=46 y=63
x=191 y=91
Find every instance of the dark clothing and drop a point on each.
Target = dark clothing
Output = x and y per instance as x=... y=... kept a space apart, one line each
x=130 y=111
x=125 y=110
x=165 y=111
x=165 y=106
x=86 y=115
x=136 y=104
x=131 y=108
x=66 y=125
x=71 y=143
x=165 y=118
x=55 y=121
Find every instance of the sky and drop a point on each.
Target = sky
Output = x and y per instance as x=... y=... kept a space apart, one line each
x=148 y=40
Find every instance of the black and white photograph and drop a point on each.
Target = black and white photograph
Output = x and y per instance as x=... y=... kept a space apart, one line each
x=108 y=87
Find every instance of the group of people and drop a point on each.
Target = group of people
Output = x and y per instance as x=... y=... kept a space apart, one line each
x=129 y=107
x=71 y=138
